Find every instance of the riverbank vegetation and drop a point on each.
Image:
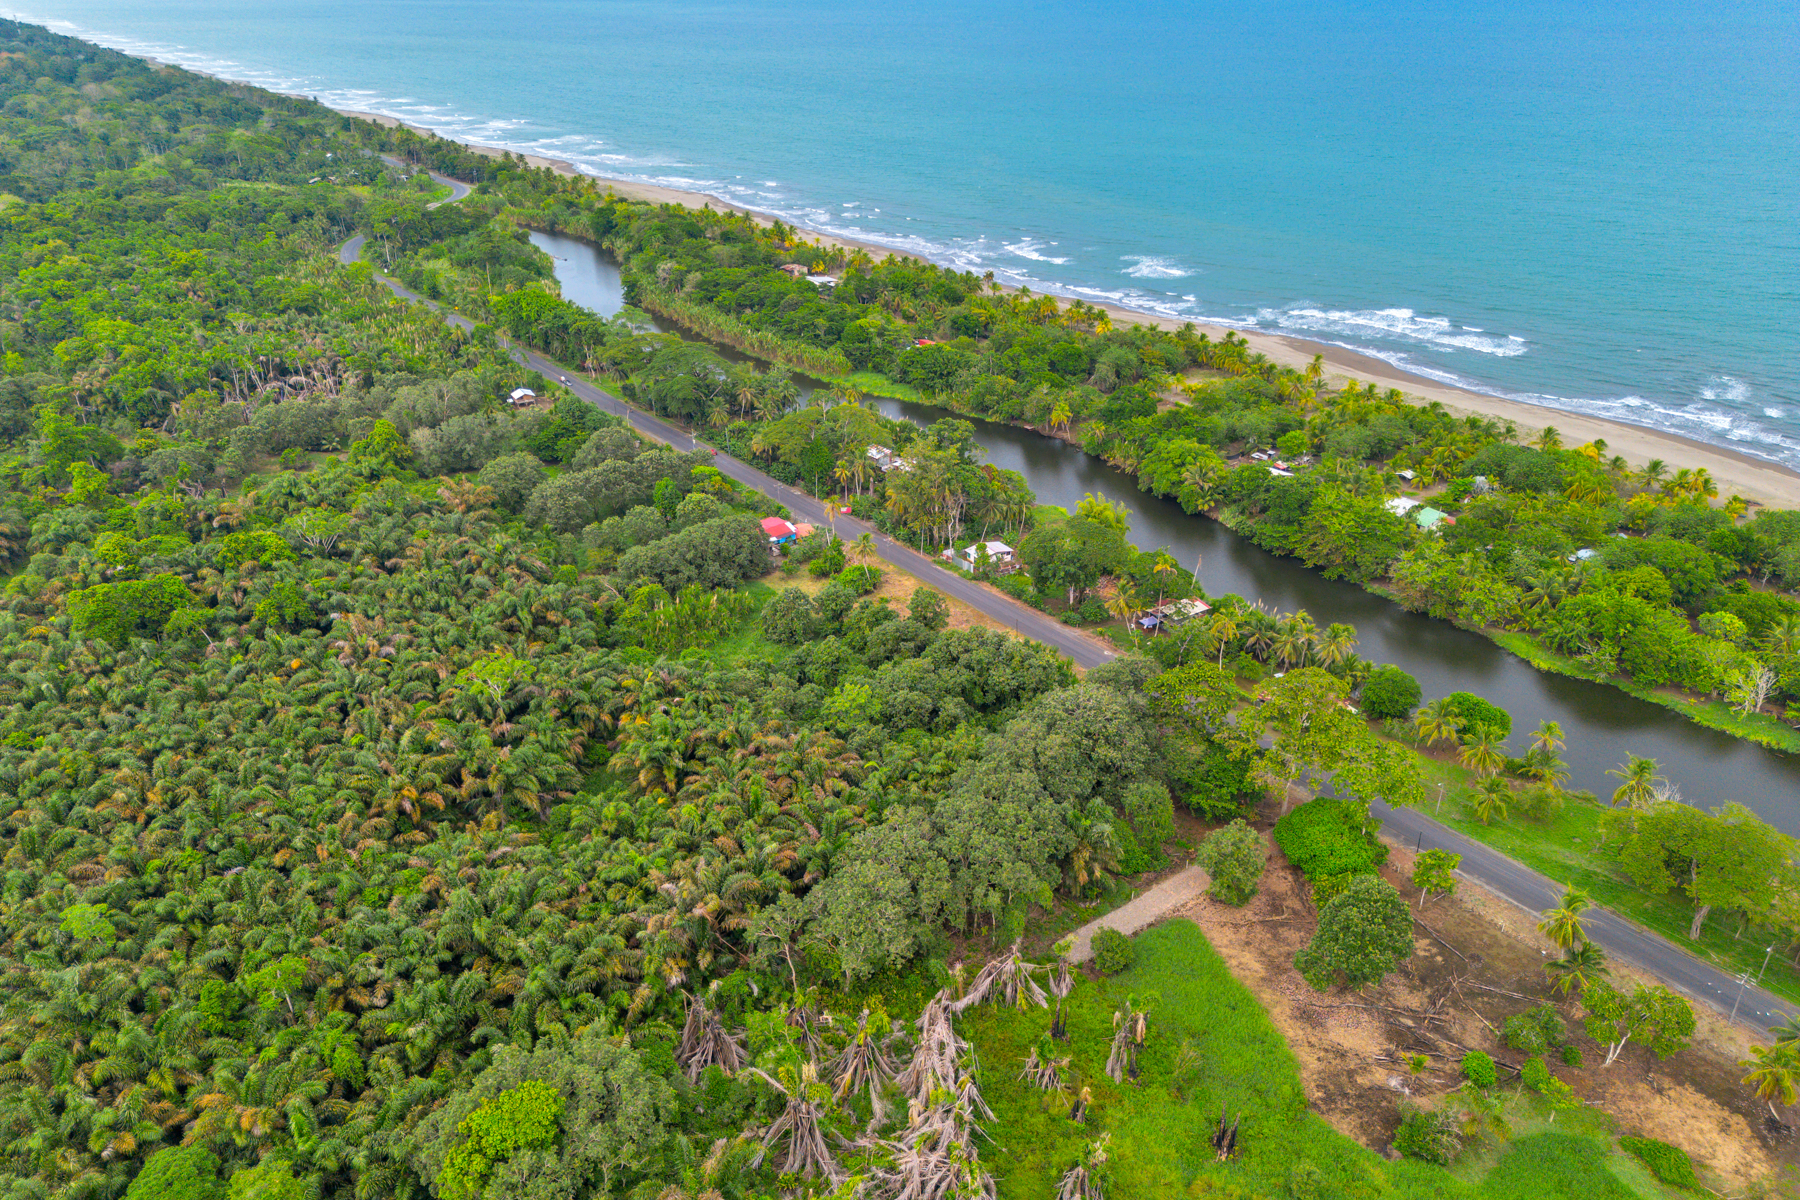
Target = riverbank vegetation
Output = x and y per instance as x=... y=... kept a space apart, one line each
x=1629 y=574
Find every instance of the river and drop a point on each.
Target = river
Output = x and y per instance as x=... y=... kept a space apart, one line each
x=1603 y=725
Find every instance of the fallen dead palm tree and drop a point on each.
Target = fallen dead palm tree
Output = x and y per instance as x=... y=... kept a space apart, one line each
x=801 y=1125
x=865 y=1060
x=1007 y=978
x=1130 y=1027
x=1082 y=1181
x=1045 y=1074
x=705 y=1042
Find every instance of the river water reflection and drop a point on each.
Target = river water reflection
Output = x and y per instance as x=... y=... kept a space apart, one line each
x=1602 y=724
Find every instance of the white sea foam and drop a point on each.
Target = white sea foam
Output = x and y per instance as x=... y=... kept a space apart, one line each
x=1030 y=249
x=1371 y=331
x=1724 y=387
x=1402 y=324
x=1146 y=266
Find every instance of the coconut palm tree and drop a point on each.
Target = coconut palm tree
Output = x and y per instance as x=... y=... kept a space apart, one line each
x=1164 y=570
x=1640 y=781
x=1489 y=800
x=1774 y=1073
x=1788 y=1030
x=1222 y=631
x=1548 y=736
x=862 y=552
x=1438 y=722
x=1480 y=750
x=1579 y=966
x=1337 y=646
x=1562 y=924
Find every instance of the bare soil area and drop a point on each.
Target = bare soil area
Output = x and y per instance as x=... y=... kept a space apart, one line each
x=1477 y=961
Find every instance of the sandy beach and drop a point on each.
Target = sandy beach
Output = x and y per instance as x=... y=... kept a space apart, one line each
x=1736 y=473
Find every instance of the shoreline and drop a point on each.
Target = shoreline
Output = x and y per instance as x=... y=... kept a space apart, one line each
x=1756 y=479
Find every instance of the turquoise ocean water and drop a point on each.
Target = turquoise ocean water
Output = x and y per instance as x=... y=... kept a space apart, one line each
x=1594 y=207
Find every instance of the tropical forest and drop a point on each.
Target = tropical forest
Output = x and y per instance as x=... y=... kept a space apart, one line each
x=416 y=781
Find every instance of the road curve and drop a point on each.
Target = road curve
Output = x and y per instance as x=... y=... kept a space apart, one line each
x=1082 y=649
x=1621 y=939
x=1482 y=864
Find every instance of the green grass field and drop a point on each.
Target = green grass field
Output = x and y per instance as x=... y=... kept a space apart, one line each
x=1160 y=1139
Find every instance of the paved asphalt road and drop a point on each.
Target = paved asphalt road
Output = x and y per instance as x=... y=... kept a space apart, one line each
x=1618 y=937
x=1493 y=870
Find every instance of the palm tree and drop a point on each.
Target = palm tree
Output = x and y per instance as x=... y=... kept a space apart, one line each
x=1548 y=736
x=1578 y=967
x=1640 y=780
x=1164 y=570
x=1438 y=722
x=1562 y=925
x=1489 y=800
x=1481 y=750
x=1548 y=439
x=1059 y=417
x=1222 y=631
x=1774 y=1073
x=1337 y=645
x=863 y=552
x=1653 y=472
x=1544 y=766
x=1788 y=1030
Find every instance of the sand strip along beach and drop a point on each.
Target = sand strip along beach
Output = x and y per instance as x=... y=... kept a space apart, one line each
x=1755 y=479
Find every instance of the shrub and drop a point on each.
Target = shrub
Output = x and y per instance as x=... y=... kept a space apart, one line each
x=1327 y=888
x=1390 y=694
x=1234 y=857
x=1306 y=1182
x=1324 y=837
x=789 y=618
x=1535 y=1074
x=1670 y=1164
x=1134 y=857
x=861 y=580
x=1478 y=1069
x=929 y=608
x=1092 y=611
x=1535 y=1031
x=1432 y=1136
x=822 y=561
x=1473 y=711
x=1113 y=952
x=1571 y=1054
x=1363 y=935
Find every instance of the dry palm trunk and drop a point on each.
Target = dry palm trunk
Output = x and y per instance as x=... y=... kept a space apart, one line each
x=801 y=1125
x=1006 y=978
x=865 y=1060
x=1129 y=1030
x=1044 y=1074
x=705 y=1042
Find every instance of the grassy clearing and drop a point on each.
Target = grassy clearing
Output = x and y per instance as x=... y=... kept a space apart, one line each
x=875 y=384
x=1160 y=1137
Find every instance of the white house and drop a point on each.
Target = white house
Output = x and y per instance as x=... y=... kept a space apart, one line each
x=1400 y=505
x=1001 y=557
x=522 y=398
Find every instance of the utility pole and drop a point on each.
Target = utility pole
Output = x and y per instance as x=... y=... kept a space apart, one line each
x=1743 y=982
x=1765 y=966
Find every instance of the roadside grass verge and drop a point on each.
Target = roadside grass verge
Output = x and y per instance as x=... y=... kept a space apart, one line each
x=1569 y=848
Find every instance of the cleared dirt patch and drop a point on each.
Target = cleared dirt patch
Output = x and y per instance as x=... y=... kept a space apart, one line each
x=1477 y=961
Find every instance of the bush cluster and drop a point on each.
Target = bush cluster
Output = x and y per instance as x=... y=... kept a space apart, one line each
x=1670 y=1164
x=1113 y=952
x=1324 y=837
